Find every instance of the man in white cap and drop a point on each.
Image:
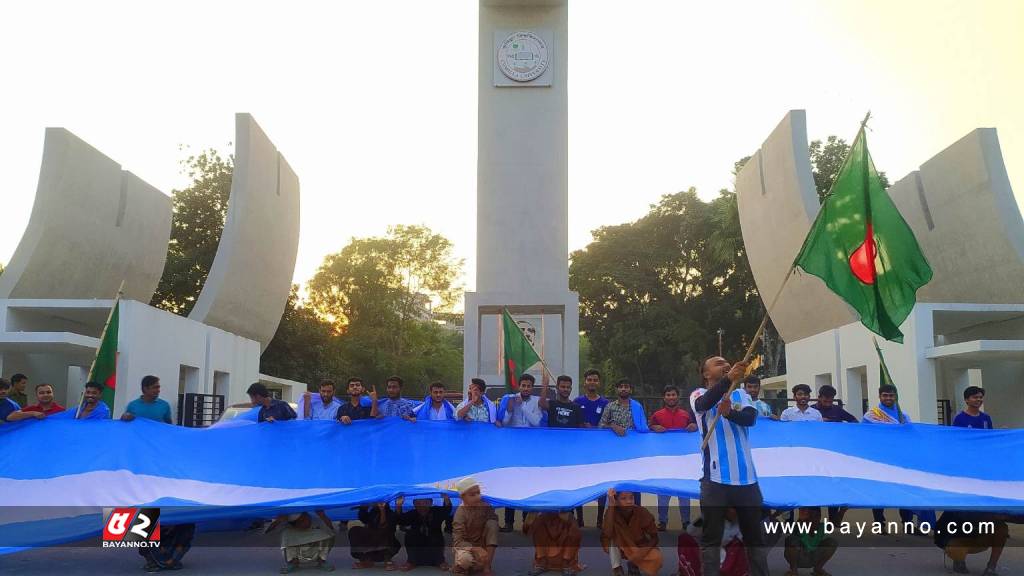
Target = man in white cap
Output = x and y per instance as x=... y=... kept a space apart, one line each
x=475 y=533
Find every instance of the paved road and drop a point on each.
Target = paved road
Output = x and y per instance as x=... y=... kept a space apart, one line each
x=513 y=559
x=251 y=553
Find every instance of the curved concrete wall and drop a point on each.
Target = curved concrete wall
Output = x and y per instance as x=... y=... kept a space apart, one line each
x=963 y=212
x=92 y=226
x=777 y=204
x=247 y=288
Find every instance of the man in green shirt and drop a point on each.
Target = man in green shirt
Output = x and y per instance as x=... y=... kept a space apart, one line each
x=811 y=550
x=18 y=384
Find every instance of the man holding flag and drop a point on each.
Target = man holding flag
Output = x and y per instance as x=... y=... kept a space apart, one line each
x=93 y=407
x=729 y=479
x=887 y=411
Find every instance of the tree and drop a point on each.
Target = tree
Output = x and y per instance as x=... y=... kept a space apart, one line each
x=826 y=162
x=379 y=295
x=654 y=292
x=305 y=347
x=199 y=213
x=404 y=275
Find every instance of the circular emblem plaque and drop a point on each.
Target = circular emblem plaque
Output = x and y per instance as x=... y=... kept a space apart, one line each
x=523 y=56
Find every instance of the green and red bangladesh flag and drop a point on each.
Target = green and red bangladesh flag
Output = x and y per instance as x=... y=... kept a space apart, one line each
x=104 y=367
x=863 y=249
x=519 y=354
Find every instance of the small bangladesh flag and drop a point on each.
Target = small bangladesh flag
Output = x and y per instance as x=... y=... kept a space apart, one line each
x=862 y=248
x=519 y=353
x=104 y=367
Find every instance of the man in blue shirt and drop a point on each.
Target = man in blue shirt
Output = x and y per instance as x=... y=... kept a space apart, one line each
x=752 y=386
x=592 y=404
x=93 y=407
x=149 y=406
x=394 y=405
x=729 y=478
x=271 y=409
x=972 y=416
x=322 y=406
x=591 y=401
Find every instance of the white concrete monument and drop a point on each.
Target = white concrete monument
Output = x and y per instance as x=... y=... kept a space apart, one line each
x=94 y=225
x=522 y=187
x=968 y=325
x=251 y=276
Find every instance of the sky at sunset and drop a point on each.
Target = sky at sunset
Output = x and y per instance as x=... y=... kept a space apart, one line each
x=374 y=103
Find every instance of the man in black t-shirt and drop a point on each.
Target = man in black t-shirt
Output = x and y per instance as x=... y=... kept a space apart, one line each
x=354 y=408
x=562 y=412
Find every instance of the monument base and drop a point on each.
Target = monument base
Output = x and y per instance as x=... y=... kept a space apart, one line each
x=480 y=348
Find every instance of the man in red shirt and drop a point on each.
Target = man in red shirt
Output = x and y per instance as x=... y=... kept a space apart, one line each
x=44 y=401
x=672 y=417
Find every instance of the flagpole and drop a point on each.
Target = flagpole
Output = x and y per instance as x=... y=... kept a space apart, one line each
x=110 y=315
x=750 y=352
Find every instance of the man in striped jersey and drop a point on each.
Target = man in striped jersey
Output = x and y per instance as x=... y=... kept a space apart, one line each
x=729 y=478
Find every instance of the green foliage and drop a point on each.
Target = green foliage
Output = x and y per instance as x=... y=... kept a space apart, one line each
x=826 y=161
x=654 y=292
x=404 y=275
x=199 y=214
x=305 y=347
x=380 y=295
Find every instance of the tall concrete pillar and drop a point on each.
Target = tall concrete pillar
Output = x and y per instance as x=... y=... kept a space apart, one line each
x=522 y=185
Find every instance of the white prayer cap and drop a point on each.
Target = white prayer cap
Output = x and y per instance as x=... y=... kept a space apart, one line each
x=465 y=484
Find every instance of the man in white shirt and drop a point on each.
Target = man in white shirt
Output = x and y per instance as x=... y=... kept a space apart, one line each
x=802 y=412
x=322 y=406
x=523 y=410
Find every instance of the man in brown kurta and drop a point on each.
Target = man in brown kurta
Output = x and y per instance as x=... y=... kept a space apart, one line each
x=629 y=532
x=556 y=542
x=474 y=531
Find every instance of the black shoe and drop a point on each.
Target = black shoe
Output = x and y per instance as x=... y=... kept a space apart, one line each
x=960 y=567
x=506 y=528
x=662 y=526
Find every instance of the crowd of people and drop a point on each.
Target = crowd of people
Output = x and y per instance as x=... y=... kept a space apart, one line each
x=732 y=521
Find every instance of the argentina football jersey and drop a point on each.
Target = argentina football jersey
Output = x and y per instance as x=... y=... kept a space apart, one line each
x=727 y=457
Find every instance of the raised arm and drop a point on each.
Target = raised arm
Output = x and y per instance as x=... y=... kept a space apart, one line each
x=545 y=382
x=533 y=417
x=715 y=393
x=373 y=402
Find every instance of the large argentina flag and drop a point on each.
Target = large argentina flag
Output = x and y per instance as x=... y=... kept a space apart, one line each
x=244 y=469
